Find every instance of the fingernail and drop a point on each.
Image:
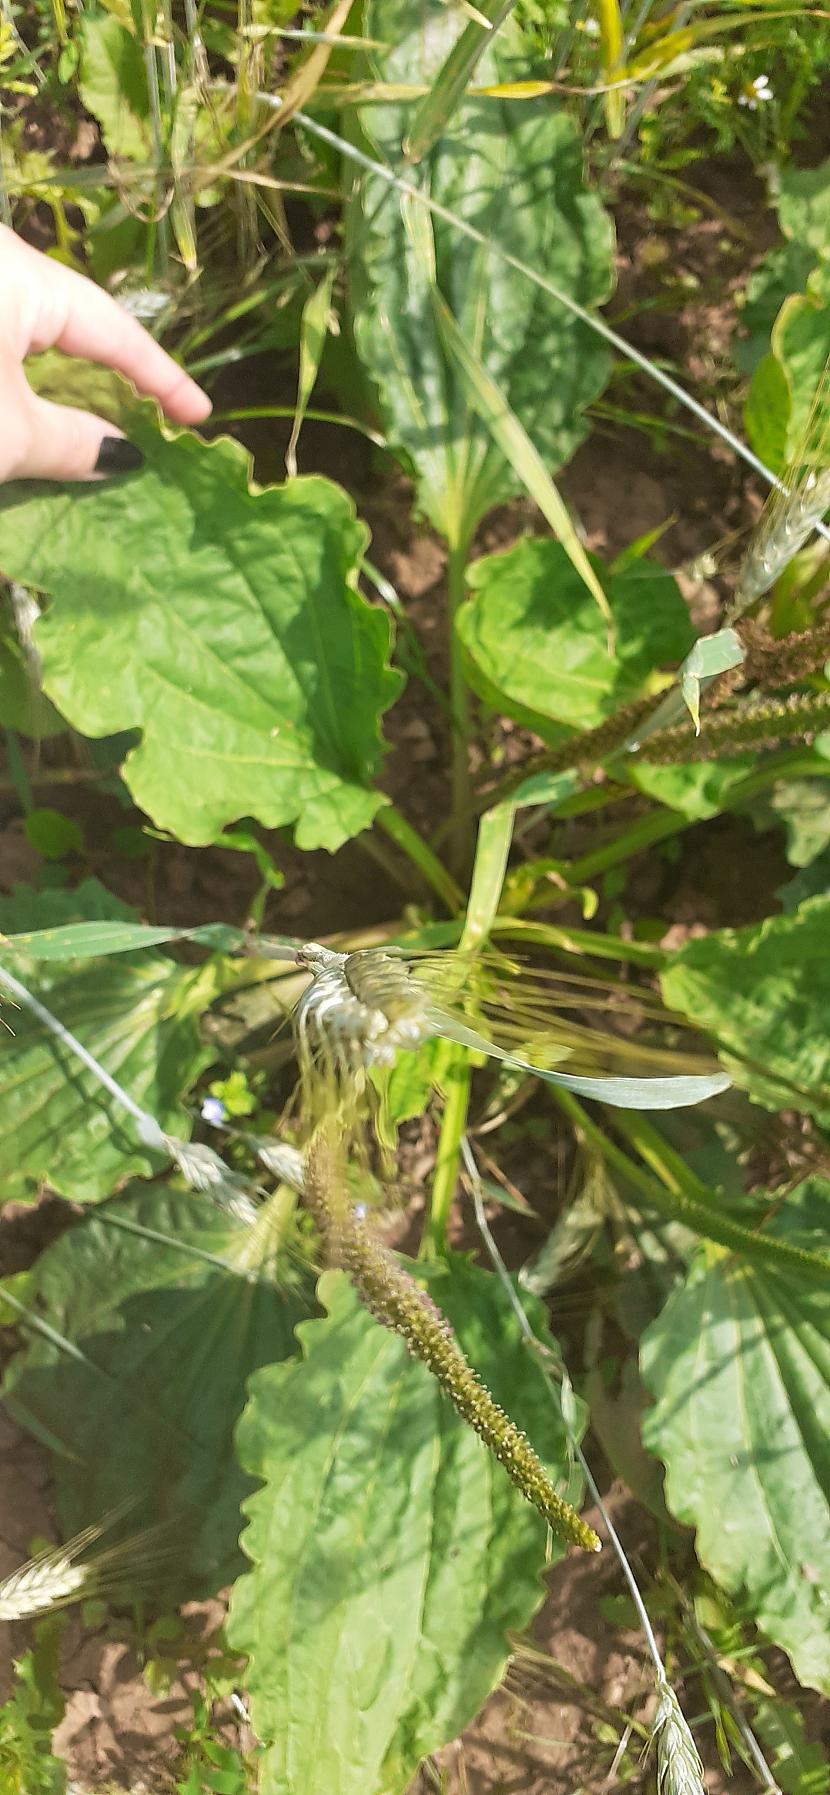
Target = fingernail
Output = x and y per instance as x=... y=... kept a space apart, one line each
x=118 y=456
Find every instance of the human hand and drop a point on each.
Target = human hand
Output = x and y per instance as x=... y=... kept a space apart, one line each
x=44 y=305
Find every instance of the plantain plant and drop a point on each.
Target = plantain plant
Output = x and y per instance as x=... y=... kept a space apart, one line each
x=239 y=1380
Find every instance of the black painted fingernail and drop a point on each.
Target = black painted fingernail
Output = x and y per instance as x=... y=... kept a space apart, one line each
x=118 y=456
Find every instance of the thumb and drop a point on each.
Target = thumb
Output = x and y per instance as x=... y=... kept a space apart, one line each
x=56 y=442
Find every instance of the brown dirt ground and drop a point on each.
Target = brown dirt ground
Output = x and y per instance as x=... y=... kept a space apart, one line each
x=541 y=1732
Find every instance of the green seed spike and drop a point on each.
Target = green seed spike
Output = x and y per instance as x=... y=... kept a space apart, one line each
x=395 y=1300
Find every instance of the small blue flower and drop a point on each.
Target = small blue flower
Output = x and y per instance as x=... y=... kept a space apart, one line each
x=213 y=1111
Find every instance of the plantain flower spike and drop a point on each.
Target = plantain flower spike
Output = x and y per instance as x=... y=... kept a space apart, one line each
x=362 y=1010
x=395 y=1300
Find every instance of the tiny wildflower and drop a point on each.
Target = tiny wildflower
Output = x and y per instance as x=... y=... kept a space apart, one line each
x=213 y=1111
x=756 y=93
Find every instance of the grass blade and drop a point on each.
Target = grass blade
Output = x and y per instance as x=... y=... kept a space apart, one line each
x=314 y=327
x=451 y=81
x=515 y=444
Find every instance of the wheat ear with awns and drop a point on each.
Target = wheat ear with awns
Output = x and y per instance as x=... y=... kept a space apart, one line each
x=363 y=1009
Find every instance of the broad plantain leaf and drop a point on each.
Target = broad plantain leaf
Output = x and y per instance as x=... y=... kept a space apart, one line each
x=739 y=1364
x=764 y=992
x=168 y=1310
x=219 y=619
x=538 y=648
x=138 y=1016
x=391 y=1554
x=514 y=172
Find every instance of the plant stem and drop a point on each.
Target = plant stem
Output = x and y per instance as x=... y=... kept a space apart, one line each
x=462 y=795
x=703 y=1218
x=455 y=1069
x=428 y=864
x=495 y=834
x=661 y=825
x=661 y=1157
x=19 y=778
x=645 y=833
x=579 y=942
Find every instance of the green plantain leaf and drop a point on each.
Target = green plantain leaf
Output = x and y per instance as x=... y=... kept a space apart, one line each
x=782 y=272
x=391 y=1553
x=784 y=384
x=168 y=1309
x=739 y=1364
x=698 y=790
x=514 y=171
x=138 y=1016
x=764 y=992
x=221 y=620
x=538 y=647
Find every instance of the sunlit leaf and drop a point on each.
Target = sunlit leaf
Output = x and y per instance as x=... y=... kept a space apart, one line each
x=764 y=993
x=739 y=1365
x=803 y=203
x=538 y=646
x=391 y=1554
x=514 y=172
x=222 y=621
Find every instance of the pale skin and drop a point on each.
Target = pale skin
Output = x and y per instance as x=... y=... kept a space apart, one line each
x=44 y=305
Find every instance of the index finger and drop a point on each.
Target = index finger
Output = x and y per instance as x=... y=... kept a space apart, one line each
x=72 y=314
